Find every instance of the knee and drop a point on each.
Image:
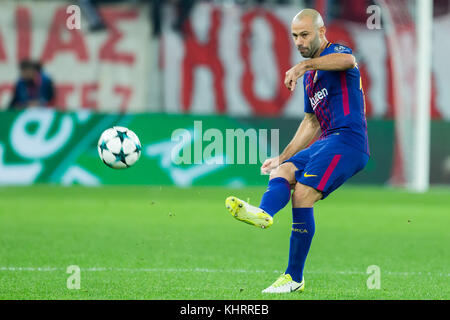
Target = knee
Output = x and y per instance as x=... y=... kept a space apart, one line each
x=277 y=173
x=286 y=171
x=304 y=196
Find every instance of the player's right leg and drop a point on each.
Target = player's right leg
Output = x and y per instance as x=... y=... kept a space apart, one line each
x=274 y=199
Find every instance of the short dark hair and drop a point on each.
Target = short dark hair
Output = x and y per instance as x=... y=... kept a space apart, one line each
x=26 y=64
x=38 y=66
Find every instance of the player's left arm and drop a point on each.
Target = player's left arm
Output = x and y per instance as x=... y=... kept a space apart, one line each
x=329 y=62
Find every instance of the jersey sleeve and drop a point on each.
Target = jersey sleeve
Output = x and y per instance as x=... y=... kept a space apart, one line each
x=308 y=108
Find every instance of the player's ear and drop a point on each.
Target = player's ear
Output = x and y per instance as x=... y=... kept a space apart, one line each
x=322 y=31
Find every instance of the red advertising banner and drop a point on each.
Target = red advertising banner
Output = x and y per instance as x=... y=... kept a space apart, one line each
x=105 y=71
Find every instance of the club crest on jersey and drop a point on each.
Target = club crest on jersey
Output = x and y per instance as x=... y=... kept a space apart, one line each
x=318 y=96
x=339 y=48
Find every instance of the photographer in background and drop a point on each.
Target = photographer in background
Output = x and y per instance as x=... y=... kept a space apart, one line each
x=34 y=88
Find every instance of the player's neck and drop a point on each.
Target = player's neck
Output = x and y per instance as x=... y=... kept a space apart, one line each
x=322 y=47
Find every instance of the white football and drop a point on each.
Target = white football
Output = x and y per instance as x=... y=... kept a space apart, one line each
x=119 y=147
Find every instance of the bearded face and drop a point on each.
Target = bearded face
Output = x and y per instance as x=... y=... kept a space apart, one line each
x=309 y=50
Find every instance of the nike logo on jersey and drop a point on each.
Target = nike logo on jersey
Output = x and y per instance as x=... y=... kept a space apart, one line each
x=306 y=175
x=318 y=96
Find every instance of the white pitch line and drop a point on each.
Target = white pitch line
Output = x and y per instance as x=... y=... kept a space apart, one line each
x=102 y=269
x=206 y=270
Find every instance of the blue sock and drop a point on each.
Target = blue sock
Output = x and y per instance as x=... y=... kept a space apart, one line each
x=303 y=228
x=277 y=196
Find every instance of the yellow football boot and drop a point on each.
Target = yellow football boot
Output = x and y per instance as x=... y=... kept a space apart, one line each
x=285 y=284
x=247 y=213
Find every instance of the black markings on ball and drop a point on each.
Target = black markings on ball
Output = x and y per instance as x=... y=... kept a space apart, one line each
x=122 y=135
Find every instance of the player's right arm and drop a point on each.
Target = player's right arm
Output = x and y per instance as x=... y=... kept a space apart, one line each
x=308 y=129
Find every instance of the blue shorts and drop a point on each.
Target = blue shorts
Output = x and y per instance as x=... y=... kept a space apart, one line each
x=327 y=164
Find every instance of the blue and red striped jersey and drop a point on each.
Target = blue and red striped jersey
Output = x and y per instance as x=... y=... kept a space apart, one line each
x=337 y=99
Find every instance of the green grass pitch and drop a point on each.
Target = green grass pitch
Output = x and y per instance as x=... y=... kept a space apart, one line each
x=171 y=243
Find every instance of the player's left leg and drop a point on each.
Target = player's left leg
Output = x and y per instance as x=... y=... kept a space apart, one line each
x=302 y=232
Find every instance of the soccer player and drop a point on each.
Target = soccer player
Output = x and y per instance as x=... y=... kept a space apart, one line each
x=334 y=104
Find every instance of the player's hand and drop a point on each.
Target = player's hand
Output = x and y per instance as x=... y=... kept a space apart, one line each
x=269 y=165
x=293 y=74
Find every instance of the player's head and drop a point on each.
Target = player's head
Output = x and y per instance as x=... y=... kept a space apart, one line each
x=308 y=32
x=27 y=69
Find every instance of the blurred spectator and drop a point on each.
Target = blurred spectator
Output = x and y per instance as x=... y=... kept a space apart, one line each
x=34 y=87
x=183 y=9
x=90 y=10
x=156 y=16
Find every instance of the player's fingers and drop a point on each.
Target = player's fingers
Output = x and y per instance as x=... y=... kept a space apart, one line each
x=287 y=81
x=267 y=169
x=266 y=164
x=294 y=83
x=264 y=168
